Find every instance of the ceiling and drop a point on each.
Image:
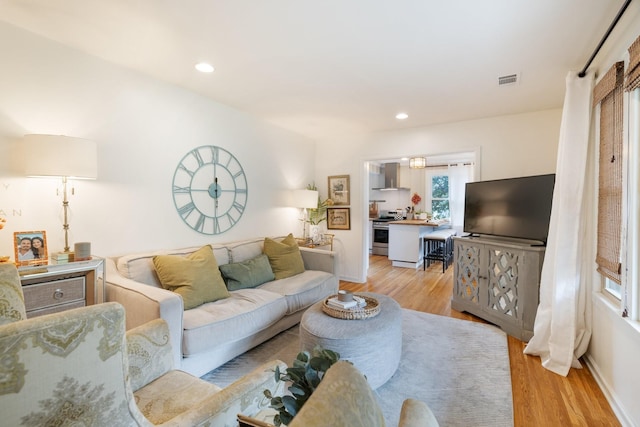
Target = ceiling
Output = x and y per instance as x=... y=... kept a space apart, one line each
x=324 y=68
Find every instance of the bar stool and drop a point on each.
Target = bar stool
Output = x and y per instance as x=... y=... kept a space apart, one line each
x=438 y=246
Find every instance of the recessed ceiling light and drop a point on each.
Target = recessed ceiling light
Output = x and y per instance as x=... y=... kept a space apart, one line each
x=203 y=67
x=402 y=116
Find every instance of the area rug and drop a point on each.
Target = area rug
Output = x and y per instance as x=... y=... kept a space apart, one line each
x=459 y=368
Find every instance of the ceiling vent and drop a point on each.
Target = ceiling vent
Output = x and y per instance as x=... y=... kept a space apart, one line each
x=509 y=79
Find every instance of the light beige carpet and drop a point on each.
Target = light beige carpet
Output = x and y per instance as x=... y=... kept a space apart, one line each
x=459 y=368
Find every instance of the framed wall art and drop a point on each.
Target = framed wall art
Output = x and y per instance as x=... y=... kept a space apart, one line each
x=30 y=247
x=338 y=186
x=338 y=218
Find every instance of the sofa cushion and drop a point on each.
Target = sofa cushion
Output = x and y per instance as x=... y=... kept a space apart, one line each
x=195 y=277
x=245 y=313
x=245 y=250
x=139 y=266
x=304 y=289
x=247 y=274
x=284 y=256
x=171 y=395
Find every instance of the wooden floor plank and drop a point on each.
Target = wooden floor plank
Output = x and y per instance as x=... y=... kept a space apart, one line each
x=540 y=397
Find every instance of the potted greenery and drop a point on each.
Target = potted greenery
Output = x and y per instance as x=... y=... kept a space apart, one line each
x=304 y=376
x=317 y=215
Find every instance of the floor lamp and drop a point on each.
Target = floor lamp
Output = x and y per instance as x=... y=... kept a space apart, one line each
x=305 y=199
x=64 y=157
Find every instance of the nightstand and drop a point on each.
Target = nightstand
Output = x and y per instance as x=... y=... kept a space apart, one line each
x=52 y=287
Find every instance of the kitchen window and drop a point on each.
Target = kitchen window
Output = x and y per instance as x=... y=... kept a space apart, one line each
x=444 y=190
x=440 y=196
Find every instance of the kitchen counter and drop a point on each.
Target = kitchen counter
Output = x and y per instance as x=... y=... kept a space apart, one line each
x=424 y=222
x=405 y=240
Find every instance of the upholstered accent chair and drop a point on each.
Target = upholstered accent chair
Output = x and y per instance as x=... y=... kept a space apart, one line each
x=344 y=398
x=79 y=367
x=11 y=298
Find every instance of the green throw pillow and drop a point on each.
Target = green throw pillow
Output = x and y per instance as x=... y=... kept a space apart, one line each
x=284 y=257
x=247 y=274
x=195 y=277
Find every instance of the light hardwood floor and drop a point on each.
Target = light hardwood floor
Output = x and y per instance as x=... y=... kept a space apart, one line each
x=540 y=397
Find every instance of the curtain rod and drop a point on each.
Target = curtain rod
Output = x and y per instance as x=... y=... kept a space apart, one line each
x=604 y=38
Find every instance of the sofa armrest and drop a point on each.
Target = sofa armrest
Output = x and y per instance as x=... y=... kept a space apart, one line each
x=245 y=396
x=144 y=303
x=415 y=413
x=319 y=259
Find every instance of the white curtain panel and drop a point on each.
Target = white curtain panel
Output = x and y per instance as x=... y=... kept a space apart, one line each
x=459 y=175
x=562 y=328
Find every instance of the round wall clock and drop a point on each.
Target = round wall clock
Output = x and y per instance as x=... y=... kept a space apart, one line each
x=210 y=189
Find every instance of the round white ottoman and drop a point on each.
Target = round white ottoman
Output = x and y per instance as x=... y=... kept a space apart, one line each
x=373 y=345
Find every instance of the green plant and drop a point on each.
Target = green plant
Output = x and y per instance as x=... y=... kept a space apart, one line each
x=318 y=214
x=304 y=376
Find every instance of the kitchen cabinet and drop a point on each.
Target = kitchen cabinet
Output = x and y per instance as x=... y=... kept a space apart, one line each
x=405 y=242
x=498 y=281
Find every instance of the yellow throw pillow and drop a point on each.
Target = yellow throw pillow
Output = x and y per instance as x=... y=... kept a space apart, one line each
x=284 y=257
x=195 y=277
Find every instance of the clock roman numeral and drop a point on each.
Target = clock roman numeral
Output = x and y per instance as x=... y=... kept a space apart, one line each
x=215 y=154
x=199 y=226
x=198 y=157
x=184 y=168
x=239 y=207
x=177 y=189
x=185 y=210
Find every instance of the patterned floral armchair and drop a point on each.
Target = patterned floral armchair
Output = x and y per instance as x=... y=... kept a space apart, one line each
x=344 y=398
x=80 y=368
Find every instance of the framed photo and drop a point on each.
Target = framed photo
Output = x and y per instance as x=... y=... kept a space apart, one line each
x=30 y=247
x=338 y=218
x=338 y=186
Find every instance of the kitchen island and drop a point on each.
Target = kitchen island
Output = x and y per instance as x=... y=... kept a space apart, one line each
x=405 y=240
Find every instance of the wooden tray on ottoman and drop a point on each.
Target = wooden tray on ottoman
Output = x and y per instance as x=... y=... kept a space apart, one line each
x=370 y=310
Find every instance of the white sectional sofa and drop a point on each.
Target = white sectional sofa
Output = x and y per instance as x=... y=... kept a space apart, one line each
x=211 y=334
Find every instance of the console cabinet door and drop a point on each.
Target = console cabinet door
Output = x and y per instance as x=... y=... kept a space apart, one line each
x=504 y=280
x=468 y=265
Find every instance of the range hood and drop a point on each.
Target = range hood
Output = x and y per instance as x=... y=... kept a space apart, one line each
x=391 y=178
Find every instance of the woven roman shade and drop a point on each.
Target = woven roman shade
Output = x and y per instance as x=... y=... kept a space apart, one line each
x=608 y=92
x=632 y=77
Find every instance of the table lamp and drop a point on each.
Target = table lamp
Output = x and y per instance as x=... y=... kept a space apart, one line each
x=305 y=199
x=64 y=157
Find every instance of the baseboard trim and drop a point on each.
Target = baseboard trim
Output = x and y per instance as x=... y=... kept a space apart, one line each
x=608 y=392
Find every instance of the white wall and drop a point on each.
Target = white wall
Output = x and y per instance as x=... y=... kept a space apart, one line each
x=515 y=145
x=143 y=128
x=614 y=349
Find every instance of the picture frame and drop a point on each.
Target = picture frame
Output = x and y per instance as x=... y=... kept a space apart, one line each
x=338 y=218
x=32 y=253
x=339 y=190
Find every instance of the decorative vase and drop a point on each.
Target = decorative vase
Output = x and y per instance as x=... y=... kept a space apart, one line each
x=314 y=233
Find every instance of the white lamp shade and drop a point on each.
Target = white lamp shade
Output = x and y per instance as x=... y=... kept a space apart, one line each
x=305 y=199
x=60 y=156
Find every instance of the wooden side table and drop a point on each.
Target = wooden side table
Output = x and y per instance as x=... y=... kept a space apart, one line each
x=52 y=288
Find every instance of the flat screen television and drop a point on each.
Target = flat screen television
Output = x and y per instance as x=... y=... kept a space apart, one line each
x=515 y=207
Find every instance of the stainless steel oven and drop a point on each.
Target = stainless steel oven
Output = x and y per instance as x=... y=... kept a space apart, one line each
x=380 y=244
